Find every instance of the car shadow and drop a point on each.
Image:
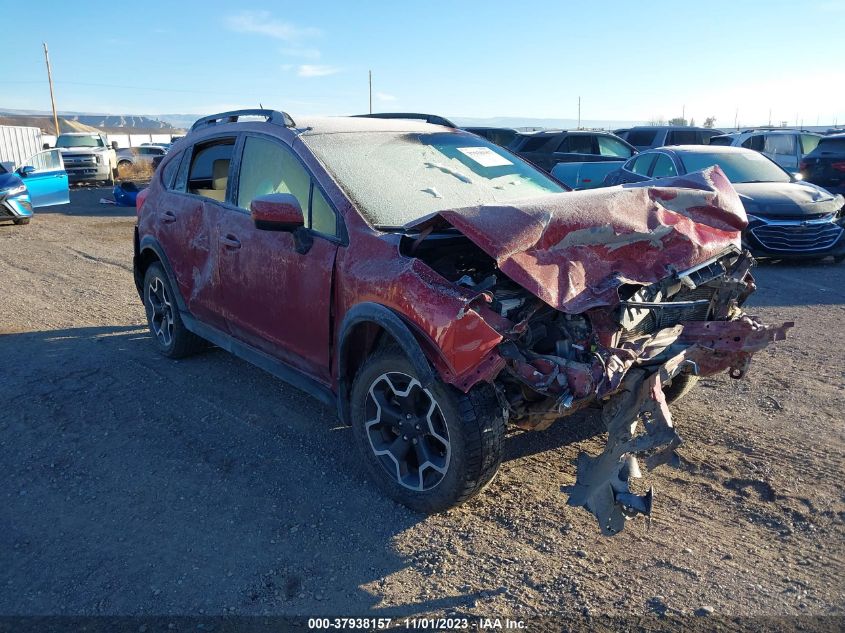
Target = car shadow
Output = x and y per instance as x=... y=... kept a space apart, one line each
x=136 y=484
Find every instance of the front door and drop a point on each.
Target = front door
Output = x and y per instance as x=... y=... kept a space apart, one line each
x=47 y=182
x=277 y=285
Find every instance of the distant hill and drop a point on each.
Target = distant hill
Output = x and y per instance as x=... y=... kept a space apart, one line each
x=82 y=122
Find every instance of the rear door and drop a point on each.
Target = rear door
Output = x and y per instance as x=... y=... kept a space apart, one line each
x=277 y=285
x=186 y=221
x=47 y=184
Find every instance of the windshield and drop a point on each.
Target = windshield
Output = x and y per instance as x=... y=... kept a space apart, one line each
x=397 y=177
x=79 y=141
x=738 y=167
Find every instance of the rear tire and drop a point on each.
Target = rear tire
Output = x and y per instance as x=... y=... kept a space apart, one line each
x=444 y=446
x=172 y=338
x=21 y=221
x=679 y=387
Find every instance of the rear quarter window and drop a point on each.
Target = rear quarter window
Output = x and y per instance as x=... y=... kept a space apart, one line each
x=168 y=174
x=832 y=145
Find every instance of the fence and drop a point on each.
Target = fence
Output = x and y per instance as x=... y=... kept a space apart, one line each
x=17 y=143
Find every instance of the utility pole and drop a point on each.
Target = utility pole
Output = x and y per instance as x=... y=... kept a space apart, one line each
x=52 y=96
x=371 y=92
x=684 y=113
x=770 y=117
x=579 y=113
x=736 y=119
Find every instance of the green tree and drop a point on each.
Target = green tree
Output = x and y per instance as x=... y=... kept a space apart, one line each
x=710 y=122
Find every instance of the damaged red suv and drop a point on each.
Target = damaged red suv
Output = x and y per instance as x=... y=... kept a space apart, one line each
x=436 y=289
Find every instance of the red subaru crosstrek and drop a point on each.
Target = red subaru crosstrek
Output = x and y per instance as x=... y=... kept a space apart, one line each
x=437 y=289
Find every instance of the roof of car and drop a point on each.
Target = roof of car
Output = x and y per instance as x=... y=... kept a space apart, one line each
x=672 y=127
x=703 y=149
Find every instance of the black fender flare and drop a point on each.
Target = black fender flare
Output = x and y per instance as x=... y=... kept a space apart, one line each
x=149 y=243
x=395 y=327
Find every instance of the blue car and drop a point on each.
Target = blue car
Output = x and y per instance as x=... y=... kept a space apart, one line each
x=40 y=182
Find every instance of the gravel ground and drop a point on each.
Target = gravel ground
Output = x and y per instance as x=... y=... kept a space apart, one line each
x=132 y=484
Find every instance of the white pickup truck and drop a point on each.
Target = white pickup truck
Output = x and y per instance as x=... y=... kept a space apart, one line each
x=88 y=156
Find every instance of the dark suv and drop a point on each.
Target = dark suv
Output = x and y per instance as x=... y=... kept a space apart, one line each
x=550 y=147
x=825 y=165
x=434 y=288
x=645 y=137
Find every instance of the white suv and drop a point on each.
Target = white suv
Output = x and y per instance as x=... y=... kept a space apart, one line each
x=785 y=147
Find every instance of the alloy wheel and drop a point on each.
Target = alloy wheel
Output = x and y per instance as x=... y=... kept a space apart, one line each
x=160 y=311
x=407 y=431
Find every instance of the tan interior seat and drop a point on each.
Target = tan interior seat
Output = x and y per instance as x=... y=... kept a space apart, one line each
x=219 y=180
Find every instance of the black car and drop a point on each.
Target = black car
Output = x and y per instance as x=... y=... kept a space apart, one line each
x=550 y=147
x=825 y=165
x=645 y=137
x=787 y=218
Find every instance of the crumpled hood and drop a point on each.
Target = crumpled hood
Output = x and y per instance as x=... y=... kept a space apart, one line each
x=779 y=199
x=573 y=250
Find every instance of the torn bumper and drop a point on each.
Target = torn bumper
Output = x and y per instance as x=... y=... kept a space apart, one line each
x=603 y=482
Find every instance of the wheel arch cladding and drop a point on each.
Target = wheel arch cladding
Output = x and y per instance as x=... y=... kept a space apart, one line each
x=362 y=330
x=149 y=253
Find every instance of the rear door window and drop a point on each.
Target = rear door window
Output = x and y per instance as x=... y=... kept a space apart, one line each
x=577 y=144
x=832 y=145
x=641 y=164
x=641 y=138
x=663 y=167
x=755 y=142
x=609 y=146
x=533 y=144
x=780 y=144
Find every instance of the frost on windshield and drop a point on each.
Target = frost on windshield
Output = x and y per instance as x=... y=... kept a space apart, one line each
x=395 y=178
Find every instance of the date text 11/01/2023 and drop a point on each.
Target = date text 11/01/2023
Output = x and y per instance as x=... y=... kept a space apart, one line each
x=431 y=624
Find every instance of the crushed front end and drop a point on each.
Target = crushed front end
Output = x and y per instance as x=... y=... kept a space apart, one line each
x=605 y=298
x=621 y=357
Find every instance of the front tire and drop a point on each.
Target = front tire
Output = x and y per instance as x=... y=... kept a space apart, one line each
x=427 y=448
x=21 y=221
x=172 y=338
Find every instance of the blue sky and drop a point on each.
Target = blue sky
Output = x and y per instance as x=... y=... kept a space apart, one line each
x=627 y=60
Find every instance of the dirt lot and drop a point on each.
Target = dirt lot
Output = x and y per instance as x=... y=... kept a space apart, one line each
x=132 y=484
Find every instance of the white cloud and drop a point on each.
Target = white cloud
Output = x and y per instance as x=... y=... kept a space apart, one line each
x=261 y=22
x=314 y=70
x=383 y=96
x=305 y=53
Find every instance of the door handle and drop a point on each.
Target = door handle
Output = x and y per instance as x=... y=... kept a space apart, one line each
x=230 y=241
x=168 y=217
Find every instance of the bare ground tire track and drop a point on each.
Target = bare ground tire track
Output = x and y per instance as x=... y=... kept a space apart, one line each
x=130 y=484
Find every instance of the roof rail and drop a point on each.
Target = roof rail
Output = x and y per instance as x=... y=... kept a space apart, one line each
x=776 y=128
x=273 y=116
x=434 y=119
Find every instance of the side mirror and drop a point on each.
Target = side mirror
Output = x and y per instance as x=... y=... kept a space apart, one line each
x=25 y=170
x=276 y=212
x=114 y=144
x=45 y=146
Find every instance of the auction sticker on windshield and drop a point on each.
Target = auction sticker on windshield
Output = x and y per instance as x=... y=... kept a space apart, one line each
x=484 y=156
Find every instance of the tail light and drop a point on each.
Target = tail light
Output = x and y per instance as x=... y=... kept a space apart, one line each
x=140 y=199
x=803 y=165
x=840 y=166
